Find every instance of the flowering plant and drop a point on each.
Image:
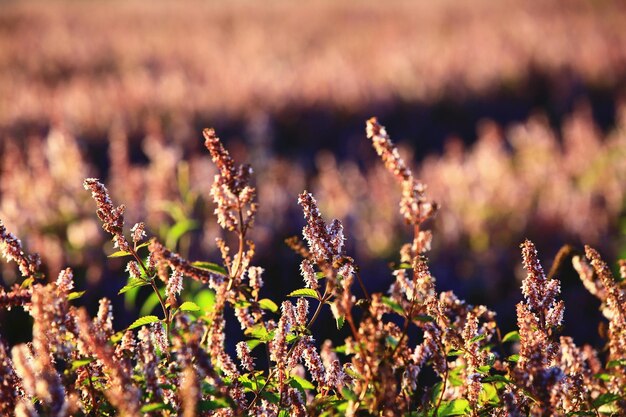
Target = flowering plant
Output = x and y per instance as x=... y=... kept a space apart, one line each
x=413 y=352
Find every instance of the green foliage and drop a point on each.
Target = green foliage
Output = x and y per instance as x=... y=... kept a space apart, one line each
x=304 y=292
x=142 y=321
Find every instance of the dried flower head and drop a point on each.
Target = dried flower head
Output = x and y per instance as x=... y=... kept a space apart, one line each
x=138 y=232
x=315 y=231
x=537 y=318
x=65 y=281
x=255 y=275
x=174 y=286
x=132 y=267
x=11 y=248
x=243 y=353
x=231 y=190
x=308 y=273
x=414 y=207
x=112 y=217
x=615 y=306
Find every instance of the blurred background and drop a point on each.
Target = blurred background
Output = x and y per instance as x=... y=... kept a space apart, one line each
x=511 y=112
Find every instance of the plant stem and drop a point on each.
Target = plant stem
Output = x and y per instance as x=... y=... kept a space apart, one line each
x=445 y=381
x=166 y=314
x=362 y=285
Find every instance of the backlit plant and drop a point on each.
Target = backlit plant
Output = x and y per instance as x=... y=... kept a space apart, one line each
x=414 y=351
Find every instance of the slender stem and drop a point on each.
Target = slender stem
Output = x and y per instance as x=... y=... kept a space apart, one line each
x=166 y=314
x=353 y=329
x=445 y=381
x=242 y=236
x=407 y=319
x=258 y=393
x=362 y=285
x=139 y=260
x=316 y=313
x=92 y=390
x=165 y=310
x=405 y=330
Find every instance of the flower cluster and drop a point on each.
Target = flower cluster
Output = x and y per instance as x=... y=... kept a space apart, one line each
x=537 y=318
x=414 y=351
x=231 y=190
x=11 y=248
x=414 y=207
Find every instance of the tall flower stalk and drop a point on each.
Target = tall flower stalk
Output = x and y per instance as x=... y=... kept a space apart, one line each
x=189 y=363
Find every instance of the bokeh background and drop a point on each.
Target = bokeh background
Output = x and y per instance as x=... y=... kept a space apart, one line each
x=511 y=112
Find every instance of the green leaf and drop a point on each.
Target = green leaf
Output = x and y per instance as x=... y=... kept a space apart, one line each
x=436 y=391
x=341 y=406
x=151 y=302
x=348 y=394
x=424 y=318
x=617 y=362
x=455 y=378
x=143 y=245
x=611 y=409
x=208 y=405
x=205 y=299
x=300 y=383
x=603 y=377
x=27 y=282
x=477 y=338
x=117 y=336
x=79 y=363
x=391 y=341
x=353 y=374
x=154 y=407
x=267 y=304
x=247 y=383
x=173 y=209
x=242 y=304
x=272 y=397
x=484 y=369
x=605 y=399
x=258 y=331
x=252 y=343
x=456 y=407
x=143 y=321
x=320 y=275
x=488 y=394
x=511 y=337
x=340 y=321
x=210 y=266
x=119 y=254
x=178 y=230
x=133 y=283
x=74 y=295
x=341 y=349
x=513 y=358
x=283 y=413
x=130 y=297
x=189 y=306
x=304 y=292
x=393 y=305
x=496 y=378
